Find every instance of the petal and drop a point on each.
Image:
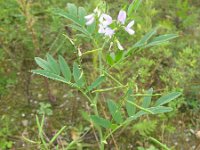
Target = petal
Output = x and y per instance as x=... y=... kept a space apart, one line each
x=90 y=21
x=109 y=32
x=119 y=45
x=130 y=24
x=101 y=29
x=90 y=16
x=105 y=19
x=130 y=31
x=122 y=16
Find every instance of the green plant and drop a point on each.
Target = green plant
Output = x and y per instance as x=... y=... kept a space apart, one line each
x=5 y=132
x=145 y=127
x=150 y=148
x=103 y=63
x=45 y=109
x=6 y=80
x=42 y=141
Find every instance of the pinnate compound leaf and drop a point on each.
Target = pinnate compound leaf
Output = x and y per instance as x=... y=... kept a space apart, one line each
x=160 y=109
x=85 y=115
x=154 y=110
x=72 y=9
x=82 y=13
x=53 y=64
x=96 y=83
x=91 y=28
x=77 y=16
x=49 y=75
x=145 y=39
x=101 y=121
x=129 y=107
x=114 y=109
x=133 y=6
x=161 y=39
x=147 y=99
x=79 y=28
x=42 y=63
x=109 y=59
x=67 y=15
x=137 y=115
x=167 y=98
x=65 y=69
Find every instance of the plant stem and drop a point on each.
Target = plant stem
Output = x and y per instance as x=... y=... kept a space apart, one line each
x=99 y=129
x=142 y=108
x=95 y=57
x=91 y=51
x=113 y=78
x=108 y=89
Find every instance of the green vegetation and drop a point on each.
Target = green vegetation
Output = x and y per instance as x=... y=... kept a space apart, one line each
x=65 y=85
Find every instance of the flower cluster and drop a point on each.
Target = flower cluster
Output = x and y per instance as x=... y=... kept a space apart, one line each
x=105 y=20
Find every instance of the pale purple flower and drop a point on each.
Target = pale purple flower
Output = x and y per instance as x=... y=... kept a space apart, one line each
x=119 y=45
x=128 y=28
x=105 y=20
x=122 y=17
x=89 y=19
x=109 y=32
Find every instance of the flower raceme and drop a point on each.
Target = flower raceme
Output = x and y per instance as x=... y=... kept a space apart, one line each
x=122 y=18
x=105 y=20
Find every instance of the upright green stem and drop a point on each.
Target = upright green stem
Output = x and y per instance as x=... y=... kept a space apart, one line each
x=95 y=56
x=100 y=58
x=95 y=106
x=100 y=61
x=99 y=130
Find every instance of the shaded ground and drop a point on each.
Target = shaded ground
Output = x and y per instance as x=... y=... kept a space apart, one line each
x=66 y=106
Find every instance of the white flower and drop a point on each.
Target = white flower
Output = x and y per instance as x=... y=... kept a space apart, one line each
x=119 y=45
x=128 y=28
x=89 y=19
